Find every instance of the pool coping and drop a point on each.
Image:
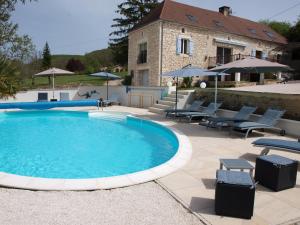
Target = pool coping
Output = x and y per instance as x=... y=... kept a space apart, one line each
x=182 y=156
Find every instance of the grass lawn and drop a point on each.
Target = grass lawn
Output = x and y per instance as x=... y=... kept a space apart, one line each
x=66 y=81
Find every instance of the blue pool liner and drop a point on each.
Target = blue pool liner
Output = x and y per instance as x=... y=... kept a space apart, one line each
x=48 y=105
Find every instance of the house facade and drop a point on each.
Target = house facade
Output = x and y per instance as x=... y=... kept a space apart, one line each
x=174 y=35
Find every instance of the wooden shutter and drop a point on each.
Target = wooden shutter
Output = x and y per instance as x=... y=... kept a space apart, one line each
x=178 y=46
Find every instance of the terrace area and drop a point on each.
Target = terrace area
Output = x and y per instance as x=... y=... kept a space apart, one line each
x=192 y=187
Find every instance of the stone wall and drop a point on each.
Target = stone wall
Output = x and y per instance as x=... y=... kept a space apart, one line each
x=151 y=35
x=205 y=46
x=234 y=100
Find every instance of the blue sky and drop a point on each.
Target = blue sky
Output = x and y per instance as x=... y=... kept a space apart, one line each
x=81 y=26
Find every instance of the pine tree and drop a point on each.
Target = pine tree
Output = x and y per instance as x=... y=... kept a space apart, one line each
x=131 y=13
x=46 y=62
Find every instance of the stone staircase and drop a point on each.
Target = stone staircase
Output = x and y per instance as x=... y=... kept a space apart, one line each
x=168 y=102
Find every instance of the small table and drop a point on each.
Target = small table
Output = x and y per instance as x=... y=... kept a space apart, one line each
x=240 y=164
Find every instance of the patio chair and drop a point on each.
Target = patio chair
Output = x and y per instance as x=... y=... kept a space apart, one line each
x=42 y=97
x=194 y=107
x=267 y=121
x=64 y=96
x=112 y=100
x=207 y=112
x=241 y=116
x=277 y=144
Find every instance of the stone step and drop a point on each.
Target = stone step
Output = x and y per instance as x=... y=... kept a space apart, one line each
x=160 y=106
x=180 y=92
x=165 y=102
x=178 y=96
x=170 y=99
x=156 y=110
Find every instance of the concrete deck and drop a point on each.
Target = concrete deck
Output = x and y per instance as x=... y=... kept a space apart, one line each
x=288 y=88
x=194 y=184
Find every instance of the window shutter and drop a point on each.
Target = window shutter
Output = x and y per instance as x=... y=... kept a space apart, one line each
x=253 y=52
x=191 y=47
x=264 y=55
x=178 y=46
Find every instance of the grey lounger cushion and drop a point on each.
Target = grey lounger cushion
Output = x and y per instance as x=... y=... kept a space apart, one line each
x=277 y=143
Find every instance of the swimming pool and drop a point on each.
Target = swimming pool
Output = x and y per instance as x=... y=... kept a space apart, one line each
x=72 y=145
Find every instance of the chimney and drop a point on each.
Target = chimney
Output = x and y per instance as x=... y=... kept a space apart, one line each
x=225 y=10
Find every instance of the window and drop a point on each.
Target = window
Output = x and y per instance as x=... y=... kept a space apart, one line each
x=218 y=23
x=142 y=57
x=184 y=46
x=223 y=55
x=252 y=31
x=269 y=34
x=182 y=30
x=192 y=18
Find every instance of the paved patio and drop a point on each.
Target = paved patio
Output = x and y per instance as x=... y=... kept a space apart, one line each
x=194 y=184
x=288 y=88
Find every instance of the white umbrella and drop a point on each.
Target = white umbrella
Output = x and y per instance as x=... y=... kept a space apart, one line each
x=53 y=71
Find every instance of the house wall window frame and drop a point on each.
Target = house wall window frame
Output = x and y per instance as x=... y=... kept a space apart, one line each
x=143 y=52
x=184 y=46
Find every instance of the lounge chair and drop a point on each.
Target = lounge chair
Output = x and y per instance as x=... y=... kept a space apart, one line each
x=194 y=107
x=209 y=111
x=64 y=96
x=277 y=144
x=241 y=116
x=267 y=121
x=42 y=97
x=112 y=100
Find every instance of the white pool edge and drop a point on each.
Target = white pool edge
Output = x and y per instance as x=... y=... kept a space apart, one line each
x=183 y=155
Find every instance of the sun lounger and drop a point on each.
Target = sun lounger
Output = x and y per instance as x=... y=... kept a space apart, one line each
x=267 y=121
x=42 y=97
x=241 y=116
x=277 y=144
x=194 y=107
x=209 y=111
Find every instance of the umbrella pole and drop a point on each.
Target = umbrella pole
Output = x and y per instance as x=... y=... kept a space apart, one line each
x=53 y=86
x=216 y=90
x=176 y=94
x=107 y=87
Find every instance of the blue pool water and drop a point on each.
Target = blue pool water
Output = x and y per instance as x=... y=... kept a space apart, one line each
x=59 y=144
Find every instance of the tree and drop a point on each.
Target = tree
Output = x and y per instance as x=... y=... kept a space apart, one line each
x=131 y=13
x=294 y=34
x=75 y=65
x=282 y=28
x=13 y=47
x=46 y=62
x=9 y=78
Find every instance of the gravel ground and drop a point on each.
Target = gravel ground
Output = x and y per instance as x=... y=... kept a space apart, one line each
x=289 y=88
x=142 y=204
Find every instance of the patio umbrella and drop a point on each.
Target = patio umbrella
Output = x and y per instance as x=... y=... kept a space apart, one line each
x=53 y=71
x=191 y=71
x=108 y=76
x=250 y=65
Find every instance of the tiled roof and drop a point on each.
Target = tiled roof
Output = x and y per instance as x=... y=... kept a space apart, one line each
x=189 y=15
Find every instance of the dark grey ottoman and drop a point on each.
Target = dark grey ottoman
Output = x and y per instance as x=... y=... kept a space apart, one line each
x=234 y=195
x=276 y=172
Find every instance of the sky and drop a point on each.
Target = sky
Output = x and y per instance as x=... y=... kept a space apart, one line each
x=82 y=26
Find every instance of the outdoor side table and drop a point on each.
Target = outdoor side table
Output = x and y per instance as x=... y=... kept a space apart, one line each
x=234 y=194
x=239 y=164
x=276 y=172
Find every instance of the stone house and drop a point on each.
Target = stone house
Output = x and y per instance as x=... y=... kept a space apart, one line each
x=174 y=35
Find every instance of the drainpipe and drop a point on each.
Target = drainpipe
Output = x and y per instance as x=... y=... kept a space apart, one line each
x=161 y=36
